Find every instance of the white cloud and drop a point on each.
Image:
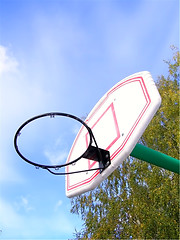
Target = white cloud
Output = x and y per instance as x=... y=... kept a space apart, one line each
x=7 y=63
x=14 y=224
x=9 y=173
x=21 y=96
x=58 y=142
x=58 y=204
x=25 y=204
x=76 y=129
x=56 y=157
x=9 y=217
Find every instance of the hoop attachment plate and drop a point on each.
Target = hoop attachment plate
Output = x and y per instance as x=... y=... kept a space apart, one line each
x=99 y=155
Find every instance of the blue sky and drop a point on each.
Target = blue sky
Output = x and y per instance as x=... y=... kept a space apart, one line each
x=58 y=55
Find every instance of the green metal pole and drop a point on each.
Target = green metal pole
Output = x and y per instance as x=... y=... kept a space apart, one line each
x=157 y=158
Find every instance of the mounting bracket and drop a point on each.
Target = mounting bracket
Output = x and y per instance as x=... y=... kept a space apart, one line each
x=99 y=155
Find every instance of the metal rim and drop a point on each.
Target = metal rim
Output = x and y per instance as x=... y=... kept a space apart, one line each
x=52 y=115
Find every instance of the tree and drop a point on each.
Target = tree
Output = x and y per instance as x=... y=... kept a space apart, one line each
x=140 y=200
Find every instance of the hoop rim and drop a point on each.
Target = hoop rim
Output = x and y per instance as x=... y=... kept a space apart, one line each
x=52 y=115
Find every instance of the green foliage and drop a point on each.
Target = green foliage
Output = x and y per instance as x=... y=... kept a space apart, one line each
x=140 y=200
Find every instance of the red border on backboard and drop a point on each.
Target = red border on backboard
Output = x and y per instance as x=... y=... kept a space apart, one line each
x=114 y=154
x=117 y=136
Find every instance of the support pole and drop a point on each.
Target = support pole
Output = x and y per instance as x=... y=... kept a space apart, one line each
x=157 y=158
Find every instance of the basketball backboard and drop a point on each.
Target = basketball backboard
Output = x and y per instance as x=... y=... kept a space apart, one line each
x=117 y=121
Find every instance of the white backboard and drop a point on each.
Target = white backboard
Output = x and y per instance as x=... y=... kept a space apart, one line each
x=117 y=121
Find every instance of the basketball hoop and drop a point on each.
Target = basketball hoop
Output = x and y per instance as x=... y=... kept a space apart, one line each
x=93 y=153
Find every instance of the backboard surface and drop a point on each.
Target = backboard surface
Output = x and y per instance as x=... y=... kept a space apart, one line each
x=117 y=121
